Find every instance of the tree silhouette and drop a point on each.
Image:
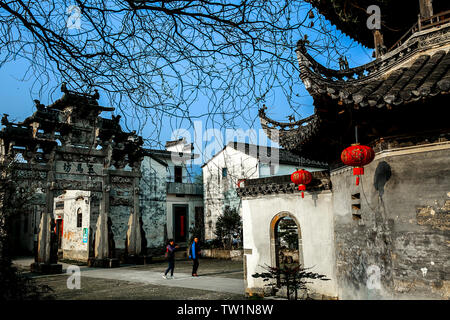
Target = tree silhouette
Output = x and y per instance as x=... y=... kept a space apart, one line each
x=155 y=59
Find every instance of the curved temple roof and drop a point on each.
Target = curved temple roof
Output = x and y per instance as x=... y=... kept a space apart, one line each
x=416 y=70
x=299 y=132
x=350 y=16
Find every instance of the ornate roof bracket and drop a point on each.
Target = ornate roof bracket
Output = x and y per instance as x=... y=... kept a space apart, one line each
x=300 y=132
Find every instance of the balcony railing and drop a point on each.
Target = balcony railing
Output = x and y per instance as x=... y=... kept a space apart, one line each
x=184 y=188
x=423 y=24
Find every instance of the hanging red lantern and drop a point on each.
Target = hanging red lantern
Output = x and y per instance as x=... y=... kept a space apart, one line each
x=357 y=156
x=302 y=178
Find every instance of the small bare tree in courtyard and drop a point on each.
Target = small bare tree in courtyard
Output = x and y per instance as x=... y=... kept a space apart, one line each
x=228 y=225
x=292 y=277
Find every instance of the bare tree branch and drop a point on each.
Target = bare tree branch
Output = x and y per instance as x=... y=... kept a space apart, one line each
x=159 y=60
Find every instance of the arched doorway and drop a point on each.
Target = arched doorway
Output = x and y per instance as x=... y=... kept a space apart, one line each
x=286 y=241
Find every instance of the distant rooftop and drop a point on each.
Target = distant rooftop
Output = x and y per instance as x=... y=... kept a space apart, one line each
x=265 y=154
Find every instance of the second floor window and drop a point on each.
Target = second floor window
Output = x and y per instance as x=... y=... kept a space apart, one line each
x=178 y=174
x=224 y=172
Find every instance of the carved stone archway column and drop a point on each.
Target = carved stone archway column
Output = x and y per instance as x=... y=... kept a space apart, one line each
x=47 y=249
x=43 y=254
x=134 y=239
x=101 y=248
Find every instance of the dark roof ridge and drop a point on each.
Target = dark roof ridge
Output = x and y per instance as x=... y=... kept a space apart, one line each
x=284 y=157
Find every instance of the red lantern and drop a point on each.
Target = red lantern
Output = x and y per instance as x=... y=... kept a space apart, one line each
x=357 y=156
x=302 y=178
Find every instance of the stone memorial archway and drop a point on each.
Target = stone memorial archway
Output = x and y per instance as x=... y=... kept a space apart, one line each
x=68 y=146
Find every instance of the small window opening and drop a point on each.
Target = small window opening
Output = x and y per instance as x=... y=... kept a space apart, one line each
x=79 y=218
x=178 y=174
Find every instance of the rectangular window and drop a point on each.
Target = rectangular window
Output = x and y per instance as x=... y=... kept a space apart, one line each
x=60 y=205
x=178 y=174
x=224 y=172
x=356 y=206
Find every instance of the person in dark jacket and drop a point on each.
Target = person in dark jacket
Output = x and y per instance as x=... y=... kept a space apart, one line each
x=170 y=254
x=194 y=253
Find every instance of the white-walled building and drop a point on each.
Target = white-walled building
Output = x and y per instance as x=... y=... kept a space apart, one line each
x=75 y=213
x=169 y=204
x=183 y=199
x=237 y=162
x=266 y=202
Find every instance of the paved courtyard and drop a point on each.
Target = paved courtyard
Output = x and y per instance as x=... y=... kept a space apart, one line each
x=218 y=279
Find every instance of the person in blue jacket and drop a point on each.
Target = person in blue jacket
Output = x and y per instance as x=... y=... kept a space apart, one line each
x=194 y=253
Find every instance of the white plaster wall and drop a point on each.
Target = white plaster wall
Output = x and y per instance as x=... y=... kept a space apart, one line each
x=181 y=146
x=153 y=201
x=315 y=216
x=72 y=240
x=239 y=166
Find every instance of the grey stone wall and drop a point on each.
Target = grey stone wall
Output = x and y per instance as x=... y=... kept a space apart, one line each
x=152 y=201
x=119 y=217
x=401 y=229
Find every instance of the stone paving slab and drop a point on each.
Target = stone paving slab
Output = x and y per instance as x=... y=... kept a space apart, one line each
x=184 y=280
x=107 y=289
x=218 y=279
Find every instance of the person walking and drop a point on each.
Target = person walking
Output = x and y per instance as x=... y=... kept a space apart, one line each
x=194 y=253
x=170 y=255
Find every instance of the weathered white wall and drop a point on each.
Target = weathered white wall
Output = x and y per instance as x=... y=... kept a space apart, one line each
x=315 y=216
x=219 y=192
x=72 y=240
x=180 y=146
x=403 y=227
x=156 y=205
x=152 y=201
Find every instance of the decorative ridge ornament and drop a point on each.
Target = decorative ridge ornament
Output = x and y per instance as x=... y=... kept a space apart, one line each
x=302 y=178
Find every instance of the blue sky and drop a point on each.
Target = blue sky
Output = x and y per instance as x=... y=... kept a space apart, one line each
x=17 y=98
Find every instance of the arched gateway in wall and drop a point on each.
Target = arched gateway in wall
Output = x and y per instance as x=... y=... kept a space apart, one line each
x=285 y=240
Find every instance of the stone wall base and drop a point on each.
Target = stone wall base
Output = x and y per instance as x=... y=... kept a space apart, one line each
x=235 y=255
x=103 y=263
x=137 y=259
